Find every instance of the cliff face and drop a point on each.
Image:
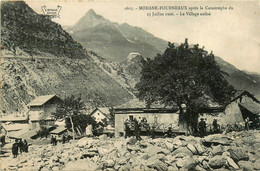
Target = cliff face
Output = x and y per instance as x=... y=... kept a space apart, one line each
x=40 y=58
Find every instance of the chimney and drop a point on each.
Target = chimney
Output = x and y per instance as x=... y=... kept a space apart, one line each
x=186 y=43
x=186 y=40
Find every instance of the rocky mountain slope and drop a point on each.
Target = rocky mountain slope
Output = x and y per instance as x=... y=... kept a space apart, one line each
x=42 y=58
x=241 y=80
x=129 y=72
x=114 y=41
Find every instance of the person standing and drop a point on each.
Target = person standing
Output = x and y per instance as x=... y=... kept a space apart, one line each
x=63 y=139
x=21 y=146
x=55 y=141
x=52 y=140
x=215 y=126
x=127 y=129
x=255 y=123
x=25 y=145
x=247 y=124
x=169 y=132
x=202 y=128
x=15 y=148
x=137 y=130
x=153 y=132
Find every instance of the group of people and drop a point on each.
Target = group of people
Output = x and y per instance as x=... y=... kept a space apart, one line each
x=133 y=128
x=21 y=146
x=217 y=128
x=54 y=140
x=133 y=125
x=64 y=139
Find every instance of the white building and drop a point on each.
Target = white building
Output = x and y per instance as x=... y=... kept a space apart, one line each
x=101 y=113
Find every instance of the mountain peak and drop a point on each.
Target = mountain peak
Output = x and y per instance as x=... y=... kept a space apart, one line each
x=91 y=12
x=90 y=20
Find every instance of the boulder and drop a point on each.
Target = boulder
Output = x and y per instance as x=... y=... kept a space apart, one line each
x=199 y=168
x=103 y=137
x=192 y=148
x=217 y=150
x=83 y=142
x=126 y=167
x=173 y=167
x=176 y=143
x=158 y=165
x=152 y=160
x=182 y=150
x=89 y=131
x=103 y=151
x=180 y=163
x=257 y=164
x=205 y=165
x=232 y=163
x=216 y=139
x=246 y=165
x=131 y=148
x=190 y=164
x=131 y=141
x=199 y=149
x=217 y=162
x=226 y=154
x=169 y=146
x=122 y=160
x=181 y=155
x=169 y=159
x=238 y=154
x=252 y=157
x=153 y=150
x=142 y=144
x=81 y=165
x=109 y=163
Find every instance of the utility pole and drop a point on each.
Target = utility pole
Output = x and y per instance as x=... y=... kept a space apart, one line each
x=72 y=125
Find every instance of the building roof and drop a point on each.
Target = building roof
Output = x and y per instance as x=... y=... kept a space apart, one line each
x=243 y=93
x=24 y=134
x=59 y=130
x=144 y=110
x=104 y=110
x=15 y=127
x=12 y=118
x=40 y=100
x=252 y=107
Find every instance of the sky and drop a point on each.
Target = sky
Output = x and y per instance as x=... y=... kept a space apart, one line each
x=232 y=33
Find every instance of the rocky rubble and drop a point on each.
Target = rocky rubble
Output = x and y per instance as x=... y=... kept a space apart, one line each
x=215 y=152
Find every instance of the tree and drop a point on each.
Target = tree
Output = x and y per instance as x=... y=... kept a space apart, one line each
x=184 y=75
x=70 y=109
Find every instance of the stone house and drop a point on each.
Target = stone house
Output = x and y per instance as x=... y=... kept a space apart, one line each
x=40 y=110
x=242 y=106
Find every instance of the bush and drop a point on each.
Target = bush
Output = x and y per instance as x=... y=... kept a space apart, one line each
x=43 y=132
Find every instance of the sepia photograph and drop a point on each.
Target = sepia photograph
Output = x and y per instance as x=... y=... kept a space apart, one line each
x=130 y=85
